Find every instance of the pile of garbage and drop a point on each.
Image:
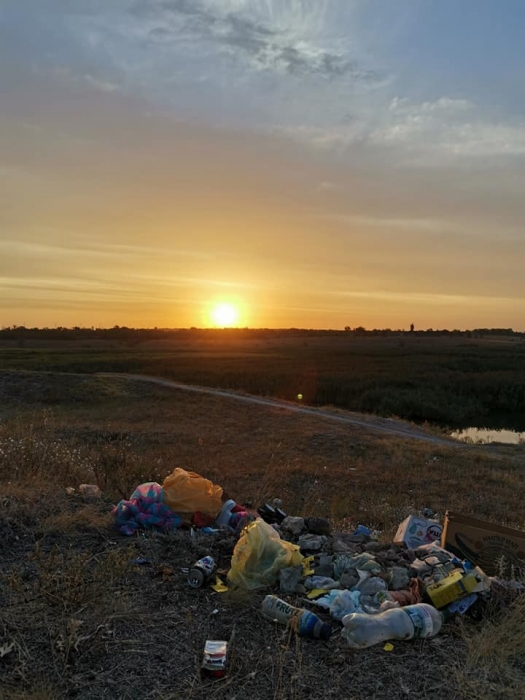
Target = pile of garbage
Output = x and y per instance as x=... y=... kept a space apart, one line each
x=372 y=591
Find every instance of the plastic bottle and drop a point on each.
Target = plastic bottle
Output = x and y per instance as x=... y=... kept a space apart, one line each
x=411 y=622
x=305 y=623
x=223 y=518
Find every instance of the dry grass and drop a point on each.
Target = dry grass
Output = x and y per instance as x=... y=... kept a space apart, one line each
x=495 y=662
x=85 y=622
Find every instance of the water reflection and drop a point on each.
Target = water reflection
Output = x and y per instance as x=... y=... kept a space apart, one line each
x=488 y=435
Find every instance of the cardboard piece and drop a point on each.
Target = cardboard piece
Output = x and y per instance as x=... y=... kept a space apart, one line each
x=415 y=532
x=495 y=548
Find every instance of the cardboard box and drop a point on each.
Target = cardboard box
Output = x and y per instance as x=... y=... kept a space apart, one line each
x=496 y=549
x=415 y=532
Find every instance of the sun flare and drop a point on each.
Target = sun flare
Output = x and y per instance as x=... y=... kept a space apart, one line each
x=224 y=315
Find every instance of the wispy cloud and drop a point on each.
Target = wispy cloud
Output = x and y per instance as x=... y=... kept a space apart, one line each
x=429 y=133
x=258 y=41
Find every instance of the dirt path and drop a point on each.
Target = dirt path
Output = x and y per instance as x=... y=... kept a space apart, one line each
x=389 y=426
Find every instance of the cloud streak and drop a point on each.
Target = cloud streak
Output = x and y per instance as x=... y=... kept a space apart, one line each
x=253 y=42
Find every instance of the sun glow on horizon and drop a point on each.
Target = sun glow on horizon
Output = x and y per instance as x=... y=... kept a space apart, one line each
x=224 y=315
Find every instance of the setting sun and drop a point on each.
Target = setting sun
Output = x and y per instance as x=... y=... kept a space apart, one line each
x=224 y=315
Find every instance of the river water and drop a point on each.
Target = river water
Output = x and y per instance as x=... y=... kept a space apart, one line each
x=487 y=435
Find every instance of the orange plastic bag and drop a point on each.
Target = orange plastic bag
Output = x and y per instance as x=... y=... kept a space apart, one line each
x=187 y=492
x=259 y=555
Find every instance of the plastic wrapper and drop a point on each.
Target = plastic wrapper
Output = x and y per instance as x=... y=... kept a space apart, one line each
x=259 y=555
x=187 y=492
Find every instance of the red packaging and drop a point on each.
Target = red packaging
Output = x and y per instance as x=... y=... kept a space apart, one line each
x=214 y=659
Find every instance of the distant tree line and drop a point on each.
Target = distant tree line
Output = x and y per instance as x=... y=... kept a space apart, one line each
x=127 y=334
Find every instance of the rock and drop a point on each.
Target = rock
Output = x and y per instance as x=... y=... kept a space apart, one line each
x=342 y=543
x=371 y=586
x=398 y=578
x=289 y=578
x=349 y=579
x=328 y=584
x=324 y=570
x=312 y=543
x=324 y=559
x=293 y=525
x=318 y=526
x=376 y=546
x=89 y=491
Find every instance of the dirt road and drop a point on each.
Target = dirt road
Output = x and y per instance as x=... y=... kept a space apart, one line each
x=384 y=425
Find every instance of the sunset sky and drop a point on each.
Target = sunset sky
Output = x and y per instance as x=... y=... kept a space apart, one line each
x=313 y=163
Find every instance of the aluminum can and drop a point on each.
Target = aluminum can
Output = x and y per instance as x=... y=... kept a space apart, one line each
x=201 y=572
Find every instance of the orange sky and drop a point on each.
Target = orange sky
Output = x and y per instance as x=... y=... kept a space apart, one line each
x=118 y=206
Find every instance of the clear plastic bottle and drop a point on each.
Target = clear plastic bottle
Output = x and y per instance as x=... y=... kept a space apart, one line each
x=411 y=622
x=306 y=623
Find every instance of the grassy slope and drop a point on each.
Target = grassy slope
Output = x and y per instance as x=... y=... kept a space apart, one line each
x=445 y=380
x=84 y=622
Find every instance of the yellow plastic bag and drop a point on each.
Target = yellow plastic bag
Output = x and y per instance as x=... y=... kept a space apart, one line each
x=188 y=492
x=259 y=555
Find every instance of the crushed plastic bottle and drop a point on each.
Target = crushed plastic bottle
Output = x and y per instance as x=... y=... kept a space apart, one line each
x=411 y=622
x=305 y=623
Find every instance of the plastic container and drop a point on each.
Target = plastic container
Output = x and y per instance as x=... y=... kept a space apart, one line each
x=451 y=588
x=305 y=623
x=411 y=622
x=223 y=518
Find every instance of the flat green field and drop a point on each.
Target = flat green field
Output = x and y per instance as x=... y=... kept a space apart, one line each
x=451 y=381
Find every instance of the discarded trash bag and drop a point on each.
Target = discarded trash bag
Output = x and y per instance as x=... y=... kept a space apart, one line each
x=145 y=509
x=259 y=555
x=187 y=492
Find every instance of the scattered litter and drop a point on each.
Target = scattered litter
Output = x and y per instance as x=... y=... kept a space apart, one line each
x=493 y=547
x=219 y=586
x=416 y=531
x=290 y=579
x=307 y=570
x=316 y=593
x=259 y=555
x=145 y=509
x=271 y=515
x=462 y=605
x=140 y=561
x=304 y=622
x=214 y=659
x=187 y=493
x=375 y=591
x=201 y=572
x=454 y=586
x=414 y=621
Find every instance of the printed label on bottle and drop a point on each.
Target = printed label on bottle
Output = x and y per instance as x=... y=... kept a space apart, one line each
x=422 y=621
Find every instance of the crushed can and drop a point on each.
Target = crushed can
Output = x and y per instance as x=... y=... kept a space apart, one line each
x=201 y=572
x=214 y=659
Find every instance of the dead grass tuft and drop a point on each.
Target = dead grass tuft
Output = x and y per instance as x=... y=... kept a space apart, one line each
x=88 y=517
x=495 y=661
x=44 y=692
x=70 y=581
